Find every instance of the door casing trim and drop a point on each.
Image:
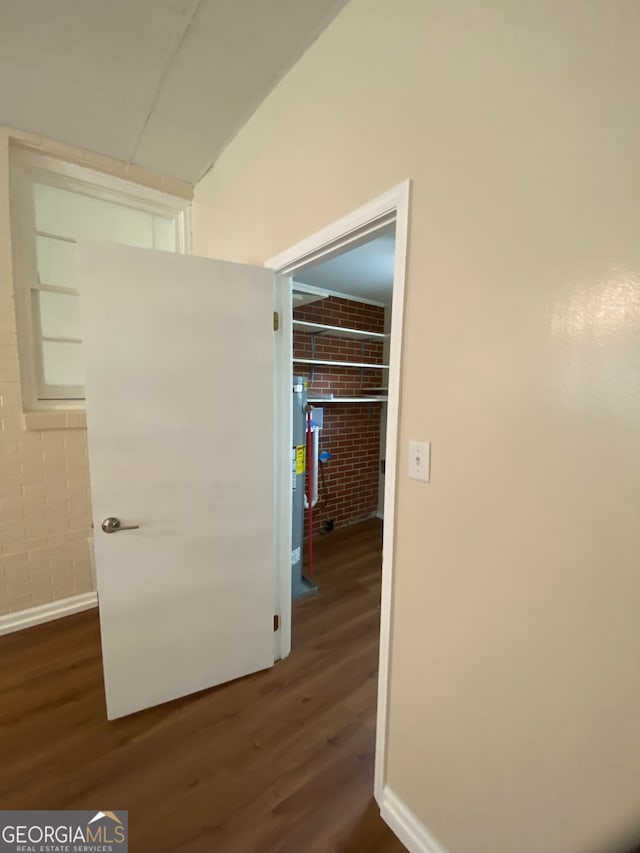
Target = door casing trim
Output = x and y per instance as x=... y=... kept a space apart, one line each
x=358 y=226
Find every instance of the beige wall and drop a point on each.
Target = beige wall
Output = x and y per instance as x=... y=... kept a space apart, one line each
x=515 y=672
x=45 y=515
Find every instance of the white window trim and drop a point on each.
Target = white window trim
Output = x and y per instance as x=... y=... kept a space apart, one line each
x=28 y=167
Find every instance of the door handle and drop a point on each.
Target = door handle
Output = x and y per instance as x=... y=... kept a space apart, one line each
x=114 y=525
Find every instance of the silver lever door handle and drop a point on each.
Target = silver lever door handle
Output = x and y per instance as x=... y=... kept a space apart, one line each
x=114 y=525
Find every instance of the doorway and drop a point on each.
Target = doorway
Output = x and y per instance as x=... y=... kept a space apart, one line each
x=381 y=218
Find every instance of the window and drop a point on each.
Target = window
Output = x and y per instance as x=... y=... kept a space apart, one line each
x=53 y=205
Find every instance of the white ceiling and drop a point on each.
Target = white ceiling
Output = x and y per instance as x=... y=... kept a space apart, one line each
x=366 y=271
x=164 y=84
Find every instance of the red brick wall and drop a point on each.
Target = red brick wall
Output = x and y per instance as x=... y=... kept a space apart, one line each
x=351 y=431
x=335 y=311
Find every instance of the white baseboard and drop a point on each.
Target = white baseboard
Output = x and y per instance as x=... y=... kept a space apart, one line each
x=413 y=834
x=47 y=612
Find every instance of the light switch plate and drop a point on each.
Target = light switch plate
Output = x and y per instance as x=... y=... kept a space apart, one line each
x=420 y=460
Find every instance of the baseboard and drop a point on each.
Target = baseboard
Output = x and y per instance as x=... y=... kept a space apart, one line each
x=413 y=834
x=380 y=515
x=47 y=612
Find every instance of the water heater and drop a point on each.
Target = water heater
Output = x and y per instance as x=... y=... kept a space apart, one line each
x=300 y=585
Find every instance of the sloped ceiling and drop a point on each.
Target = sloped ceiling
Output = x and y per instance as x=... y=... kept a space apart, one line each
x=164 y=84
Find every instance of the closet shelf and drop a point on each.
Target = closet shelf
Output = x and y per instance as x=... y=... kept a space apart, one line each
x=324 y=400
x=338 y=331
x=339 y=363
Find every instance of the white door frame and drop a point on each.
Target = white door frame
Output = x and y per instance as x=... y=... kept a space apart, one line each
x=357 y=226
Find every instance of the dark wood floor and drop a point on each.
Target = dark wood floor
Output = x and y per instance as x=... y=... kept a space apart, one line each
x=278 y=762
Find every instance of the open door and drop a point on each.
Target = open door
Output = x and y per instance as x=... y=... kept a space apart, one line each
x=179 y=357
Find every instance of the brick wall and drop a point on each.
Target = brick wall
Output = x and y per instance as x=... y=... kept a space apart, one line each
x=349 y=492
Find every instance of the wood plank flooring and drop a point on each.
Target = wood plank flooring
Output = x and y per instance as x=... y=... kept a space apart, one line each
x=278 y=762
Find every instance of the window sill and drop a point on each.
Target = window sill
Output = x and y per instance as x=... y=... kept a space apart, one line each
x=61 y=419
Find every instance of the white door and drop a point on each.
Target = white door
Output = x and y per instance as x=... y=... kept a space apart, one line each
x=180 y=411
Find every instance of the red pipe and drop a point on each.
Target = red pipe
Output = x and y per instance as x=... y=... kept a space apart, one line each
x=310 y=490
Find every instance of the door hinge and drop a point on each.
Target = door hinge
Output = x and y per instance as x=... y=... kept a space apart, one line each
x=276 y=321
x=276 y=622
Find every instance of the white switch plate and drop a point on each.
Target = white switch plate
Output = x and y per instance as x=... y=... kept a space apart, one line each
x=420 y=460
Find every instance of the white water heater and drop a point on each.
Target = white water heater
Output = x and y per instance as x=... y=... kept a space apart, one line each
x=301 y=585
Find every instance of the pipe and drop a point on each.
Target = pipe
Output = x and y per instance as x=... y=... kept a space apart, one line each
x=315 y=445
x=310 y=468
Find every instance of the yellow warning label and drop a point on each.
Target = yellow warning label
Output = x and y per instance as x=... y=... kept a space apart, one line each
x=301 y=459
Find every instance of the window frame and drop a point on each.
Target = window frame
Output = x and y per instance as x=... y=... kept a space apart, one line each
x=27 y=168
